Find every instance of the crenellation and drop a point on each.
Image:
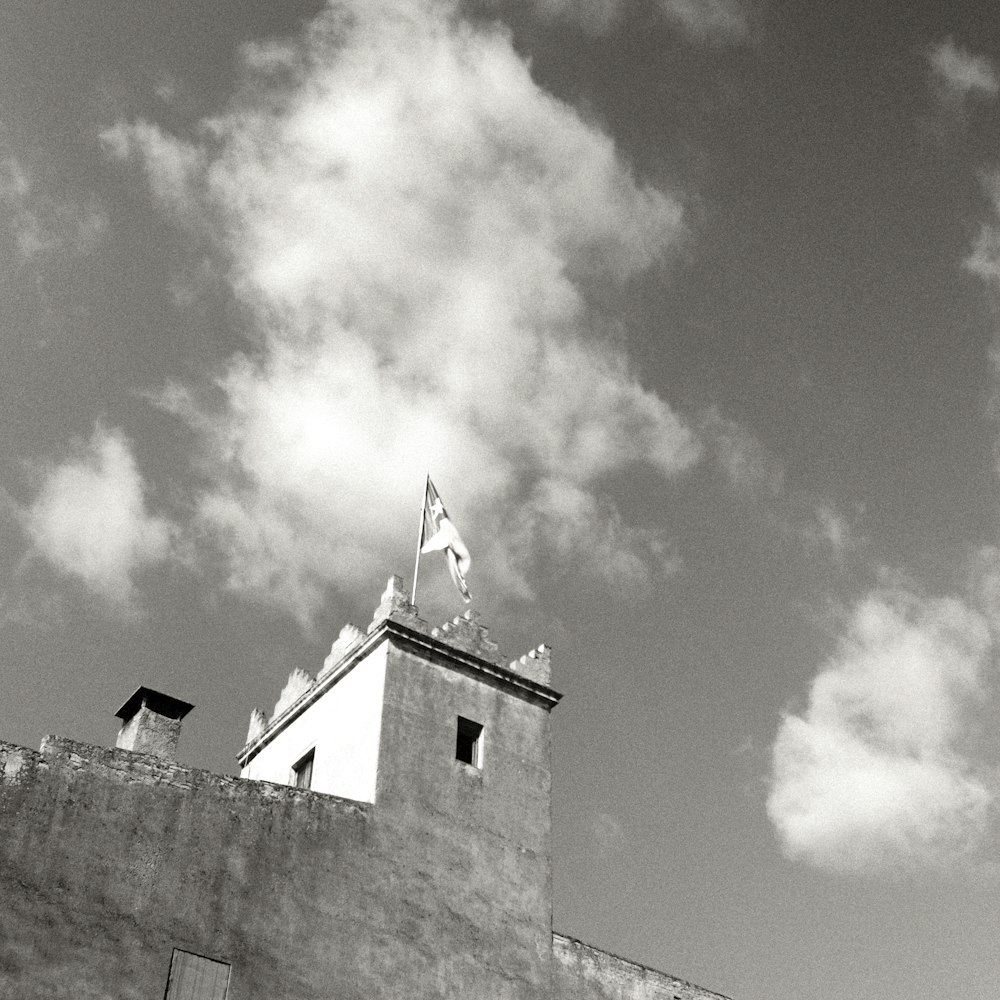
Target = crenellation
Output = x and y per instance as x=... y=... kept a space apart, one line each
x=465 y=632
x=349 y=638
x=258 y=723
x=299 y=681
x=395 y=604
x=535 y=665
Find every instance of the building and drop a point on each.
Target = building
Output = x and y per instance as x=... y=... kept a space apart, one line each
x=389 y=837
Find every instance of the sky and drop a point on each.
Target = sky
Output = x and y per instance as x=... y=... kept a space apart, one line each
x=690 y=308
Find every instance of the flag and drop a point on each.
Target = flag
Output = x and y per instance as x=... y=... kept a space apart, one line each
x=440 y=534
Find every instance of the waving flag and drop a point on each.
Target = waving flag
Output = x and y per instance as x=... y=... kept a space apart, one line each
x=439 y=534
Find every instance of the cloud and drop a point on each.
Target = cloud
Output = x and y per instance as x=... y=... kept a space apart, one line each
x=40 y=223
x=710 y=21
x=871 y=775
x=593 y=16
x=984 y=583
x=714 y=22
x=956 y=79
x=984 y=260
x=421 y=235
x=90 y=518
x=826 y=528
x=961 y=74
x=748 y=465
x=759 y=477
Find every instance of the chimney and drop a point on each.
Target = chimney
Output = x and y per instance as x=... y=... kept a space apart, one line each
x=151 y=723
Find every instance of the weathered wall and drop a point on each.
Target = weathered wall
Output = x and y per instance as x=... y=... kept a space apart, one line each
x=439 y=890
x=473 y=846
x=149 y=732
x=109 y=859
x=580 y=972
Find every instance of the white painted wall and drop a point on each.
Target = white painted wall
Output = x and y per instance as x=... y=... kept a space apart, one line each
x=343 y=725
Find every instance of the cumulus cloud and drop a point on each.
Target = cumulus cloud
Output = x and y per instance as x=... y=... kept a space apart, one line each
x=421 y=234
x=871 y=775
x=90 y=519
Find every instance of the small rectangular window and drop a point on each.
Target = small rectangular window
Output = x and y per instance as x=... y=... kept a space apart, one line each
x=302 y=772
x=193 y=977
x=469 y=742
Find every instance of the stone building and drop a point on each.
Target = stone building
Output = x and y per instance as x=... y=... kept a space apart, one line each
x=388 y=837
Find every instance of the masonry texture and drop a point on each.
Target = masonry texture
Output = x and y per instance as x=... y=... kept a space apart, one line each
x=440 y=887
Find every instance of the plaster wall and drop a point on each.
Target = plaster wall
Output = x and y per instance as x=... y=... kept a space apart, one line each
x=343 y=726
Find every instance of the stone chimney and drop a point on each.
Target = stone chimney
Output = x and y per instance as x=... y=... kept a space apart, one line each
x=151 y=723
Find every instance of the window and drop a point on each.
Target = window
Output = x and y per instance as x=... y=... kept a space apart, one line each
x=302 y=772
x=469 y=742
x=193 y=977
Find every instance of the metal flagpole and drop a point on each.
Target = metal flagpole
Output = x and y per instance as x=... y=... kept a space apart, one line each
x=420 y=541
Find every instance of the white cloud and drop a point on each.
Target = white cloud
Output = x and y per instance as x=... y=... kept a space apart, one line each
x=421 y=233
x=962 y=74
x=871 y=775
x=90 y=518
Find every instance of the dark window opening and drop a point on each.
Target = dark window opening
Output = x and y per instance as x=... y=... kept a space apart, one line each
x=194 y=977
x=302 y=772
x=469 y=742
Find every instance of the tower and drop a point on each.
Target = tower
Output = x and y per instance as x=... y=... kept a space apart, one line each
x=389 y=837
x=452 y=749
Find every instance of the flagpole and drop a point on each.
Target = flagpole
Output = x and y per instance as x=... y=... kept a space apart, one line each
x=420 y=541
